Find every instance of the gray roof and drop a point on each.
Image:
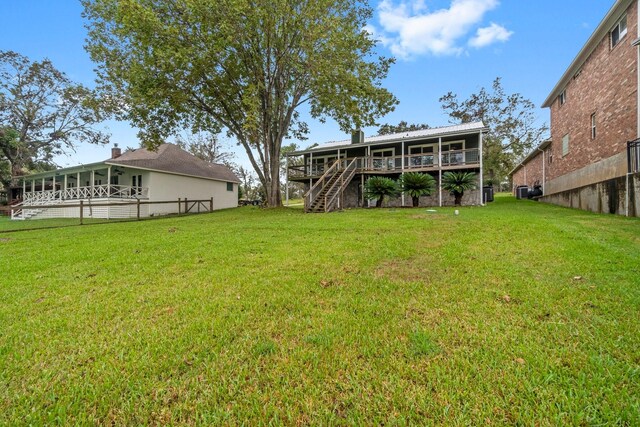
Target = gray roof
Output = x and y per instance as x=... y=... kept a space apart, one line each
x=536 y=151
x=463 y=128
x=171 y=158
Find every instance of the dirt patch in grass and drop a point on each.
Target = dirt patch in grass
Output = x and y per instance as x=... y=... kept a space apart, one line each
x=413 y=269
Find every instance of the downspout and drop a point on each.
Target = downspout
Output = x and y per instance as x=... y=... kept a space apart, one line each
x=544 y=179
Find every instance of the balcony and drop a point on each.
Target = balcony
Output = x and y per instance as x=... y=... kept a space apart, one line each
x=449 y=160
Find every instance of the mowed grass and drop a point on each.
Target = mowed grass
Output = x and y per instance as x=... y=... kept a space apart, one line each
x=515 y=313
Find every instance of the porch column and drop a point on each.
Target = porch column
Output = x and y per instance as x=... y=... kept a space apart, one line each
x=109 y=182
x=402 y=168
x=33 y=185
x=78 y=182
x=440 y=171
x=64 y=190
x=93 y=180
x=481 y=179
x=24 y=187
x=42 y=184
x=53 y=186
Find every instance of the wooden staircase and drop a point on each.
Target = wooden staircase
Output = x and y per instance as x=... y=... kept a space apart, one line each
x=327 y=193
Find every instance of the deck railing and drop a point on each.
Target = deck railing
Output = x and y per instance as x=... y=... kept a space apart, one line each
x=105 y=191
x=633 y=156
x=412 y=162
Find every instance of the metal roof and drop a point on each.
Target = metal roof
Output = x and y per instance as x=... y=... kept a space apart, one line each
x=464 y=128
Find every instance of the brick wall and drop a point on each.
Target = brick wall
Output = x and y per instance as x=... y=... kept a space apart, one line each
x=530 y=173
x=606 y=85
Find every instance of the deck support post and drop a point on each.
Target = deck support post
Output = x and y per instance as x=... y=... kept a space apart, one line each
x=138 y=209
x=440 y=171
x=402 y=168
x=81 y=210
x=481 y=177
x=211 y=205
x=179 y=205
x=286 y=182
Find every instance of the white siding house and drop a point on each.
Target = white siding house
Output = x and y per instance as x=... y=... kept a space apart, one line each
x=168 y=174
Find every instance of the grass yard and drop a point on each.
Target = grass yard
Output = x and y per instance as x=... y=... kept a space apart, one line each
x=516 y=313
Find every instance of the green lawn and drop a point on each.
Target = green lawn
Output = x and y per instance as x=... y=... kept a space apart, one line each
x=516 y=313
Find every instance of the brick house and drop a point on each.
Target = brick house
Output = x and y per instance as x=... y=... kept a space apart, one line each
x=589 y=161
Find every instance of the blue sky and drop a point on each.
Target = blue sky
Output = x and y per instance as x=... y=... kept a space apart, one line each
x=440 y=46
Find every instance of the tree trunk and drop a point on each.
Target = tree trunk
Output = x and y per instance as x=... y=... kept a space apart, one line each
x=458 y=198
x=416 y=201
x=379 y=202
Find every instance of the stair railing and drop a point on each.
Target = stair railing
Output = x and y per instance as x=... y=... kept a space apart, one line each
x=335 y=193
x=313 y=192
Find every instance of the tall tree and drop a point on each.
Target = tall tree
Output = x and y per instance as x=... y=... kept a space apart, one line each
x=206 y=146
x=246 y=66
x=49 y=113
x=512 y=122
x=387 y=129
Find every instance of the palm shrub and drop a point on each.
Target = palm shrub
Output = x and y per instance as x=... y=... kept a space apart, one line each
x=457 y=183
x=417 y=184
x=377 y=187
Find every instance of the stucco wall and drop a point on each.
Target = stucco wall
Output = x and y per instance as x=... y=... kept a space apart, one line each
x=607 y=86
x=163 y=186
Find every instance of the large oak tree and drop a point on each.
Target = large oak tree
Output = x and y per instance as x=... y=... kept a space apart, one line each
x=42 y=114
x=513 y=126
x=244 y=66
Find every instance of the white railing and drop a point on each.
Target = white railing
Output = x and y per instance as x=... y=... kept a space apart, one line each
x=105 y=191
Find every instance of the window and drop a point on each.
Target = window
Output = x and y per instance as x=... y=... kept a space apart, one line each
x=593 y=126
x=565 y=145
x=619 y=31
x=229 y=186
x=562 y=98
x=422 y=155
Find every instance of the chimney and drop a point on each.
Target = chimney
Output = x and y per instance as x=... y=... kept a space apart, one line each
x=115 y=151
x=357 y=137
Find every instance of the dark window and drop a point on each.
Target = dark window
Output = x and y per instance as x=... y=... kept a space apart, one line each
x=229 y=186
x=619 y=31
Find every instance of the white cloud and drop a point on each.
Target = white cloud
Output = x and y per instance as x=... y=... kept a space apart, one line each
x=410 y=28
x=489 y=35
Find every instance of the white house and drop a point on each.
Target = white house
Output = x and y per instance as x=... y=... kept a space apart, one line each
x=165 y=175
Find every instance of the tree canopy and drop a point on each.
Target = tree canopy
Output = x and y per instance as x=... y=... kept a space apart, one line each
x=44 y=112
x=403 y=126
x=238 y=65
x=512 y=122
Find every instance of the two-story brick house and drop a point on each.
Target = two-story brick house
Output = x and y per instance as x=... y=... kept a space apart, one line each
x=588 y=163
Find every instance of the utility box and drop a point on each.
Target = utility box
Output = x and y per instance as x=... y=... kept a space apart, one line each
x=522 y=191
x=487 y=194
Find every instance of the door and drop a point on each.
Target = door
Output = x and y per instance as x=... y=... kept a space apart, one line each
x=383 y=159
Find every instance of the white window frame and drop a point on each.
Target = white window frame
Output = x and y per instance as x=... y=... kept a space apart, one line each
x=421 y=159
x=389 y=164
x=562 y=98
x=460 y=157
x=618 y=31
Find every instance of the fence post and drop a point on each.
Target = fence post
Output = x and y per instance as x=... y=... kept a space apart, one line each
x=179 y=205
x=81 y=211
x=186 y=205
x=138 y=209
x=211 y=205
